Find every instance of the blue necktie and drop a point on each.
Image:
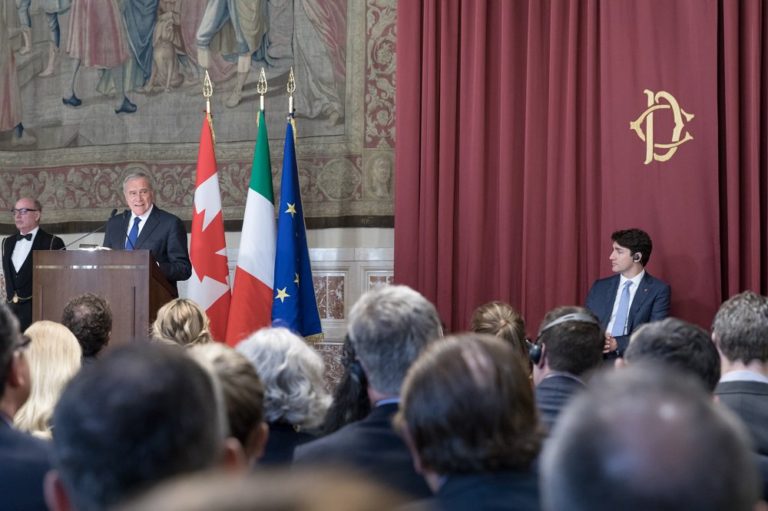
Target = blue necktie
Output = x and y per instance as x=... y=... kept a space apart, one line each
x=622 y=312
x=130 y=243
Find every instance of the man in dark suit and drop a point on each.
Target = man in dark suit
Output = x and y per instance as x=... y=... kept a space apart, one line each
x=630 y=298
x=148 y=227
x=648 y=437
x=17 y=257
x=388 y=328
x=23 y=458
x=740 y=332
x=570 y=344
x=469 y=418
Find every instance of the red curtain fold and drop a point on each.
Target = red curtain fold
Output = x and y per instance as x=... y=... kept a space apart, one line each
x=515 y=159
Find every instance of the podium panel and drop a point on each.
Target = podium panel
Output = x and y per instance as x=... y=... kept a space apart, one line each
x=130 y=280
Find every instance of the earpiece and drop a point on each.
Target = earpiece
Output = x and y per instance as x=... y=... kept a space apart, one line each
x=534 y=352
x=637 y=257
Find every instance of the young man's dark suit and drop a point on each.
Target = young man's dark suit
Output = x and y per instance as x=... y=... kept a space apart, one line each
x=19 y=284
x=24 y=461
x=371 y=446
x=651 y=303
x=163 y=235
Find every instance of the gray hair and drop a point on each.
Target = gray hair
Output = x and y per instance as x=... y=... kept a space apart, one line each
x=138 y=175
x=389 y=327
x=648 y=437
x=740 y=327
x=292 y=374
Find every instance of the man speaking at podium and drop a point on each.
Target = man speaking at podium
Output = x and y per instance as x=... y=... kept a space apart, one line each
x=17 y=257
x=147 y=227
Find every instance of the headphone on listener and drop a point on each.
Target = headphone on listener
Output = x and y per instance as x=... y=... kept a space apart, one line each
x=637 y=257
x=536 y=350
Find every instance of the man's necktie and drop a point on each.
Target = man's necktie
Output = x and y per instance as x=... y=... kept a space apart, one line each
x=623 y=311
x=27 y=236
x=130 y=243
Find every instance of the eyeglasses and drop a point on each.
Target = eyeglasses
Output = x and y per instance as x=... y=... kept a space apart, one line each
x=22 y=211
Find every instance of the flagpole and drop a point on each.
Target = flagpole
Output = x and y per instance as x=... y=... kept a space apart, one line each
x=291 y=88
x=207 y=92
x=261 y=88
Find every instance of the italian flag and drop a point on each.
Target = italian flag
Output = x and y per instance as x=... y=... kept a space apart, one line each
x=209 y=285
x=251 y=307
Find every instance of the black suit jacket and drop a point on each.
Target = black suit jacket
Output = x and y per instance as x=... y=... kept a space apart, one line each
x=163 y=235
x=492 y=491
x=553 y=394
x=372 y=446
x=20 y=283
x=749 y=401
x=651 y=303
x=24 y=461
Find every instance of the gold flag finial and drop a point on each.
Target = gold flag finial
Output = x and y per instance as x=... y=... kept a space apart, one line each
x=291 y=88
x=261 y=88
x=207 y=92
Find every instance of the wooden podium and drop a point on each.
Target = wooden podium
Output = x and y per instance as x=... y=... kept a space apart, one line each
x=130 y=280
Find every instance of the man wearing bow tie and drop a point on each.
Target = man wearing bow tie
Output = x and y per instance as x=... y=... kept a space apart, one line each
x=17 y=257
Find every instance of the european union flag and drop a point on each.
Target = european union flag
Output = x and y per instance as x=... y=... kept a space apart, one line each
x=294 y=305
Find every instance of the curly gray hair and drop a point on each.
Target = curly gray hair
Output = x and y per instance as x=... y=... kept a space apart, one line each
x=292 y=374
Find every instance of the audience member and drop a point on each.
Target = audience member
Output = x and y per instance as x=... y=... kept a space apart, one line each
x=143 y=414
x=295 y=399
x=500 y=319
x=740 y=332
x=23 y=458
x=388 y=327
x=89 y=317
x=275 y=490
x=54 y=358
x=678 y=343
x=350 y=397
x=468 y=416
x=181 y=321
x=570 y=344
x=243 y=395
x=648 y=438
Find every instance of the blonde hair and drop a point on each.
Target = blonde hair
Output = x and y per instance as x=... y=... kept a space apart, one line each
x=501 y=320
x=181 y=321
x=54 y=357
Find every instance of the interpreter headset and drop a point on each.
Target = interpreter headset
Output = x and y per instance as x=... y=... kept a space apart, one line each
x=535 y=348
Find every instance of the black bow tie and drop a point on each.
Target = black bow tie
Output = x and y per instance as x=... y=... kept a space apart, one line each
x=27 y=236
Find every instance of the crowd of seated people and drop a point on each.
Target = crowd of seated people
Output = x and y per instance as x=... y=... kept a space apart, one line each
x=483 y=421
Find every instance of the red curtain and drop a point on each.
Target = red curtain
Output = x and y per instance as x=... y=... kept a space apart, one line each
x=515 y=159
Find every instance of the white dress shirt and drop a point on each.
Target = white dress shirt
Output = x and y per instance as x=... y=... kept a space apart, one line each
x=22 y=249
x=632 y=291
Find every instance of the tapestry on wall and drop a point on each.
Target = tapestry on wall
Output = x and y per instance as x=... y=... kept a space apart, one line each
x=91 y=90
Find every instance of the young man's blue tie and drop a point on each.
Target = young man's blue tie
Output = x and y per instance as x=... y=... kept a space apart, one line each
x=622 y=313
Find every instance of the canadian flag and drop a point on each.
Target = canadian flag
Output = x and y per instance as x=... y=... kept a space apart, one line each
x=209 y=285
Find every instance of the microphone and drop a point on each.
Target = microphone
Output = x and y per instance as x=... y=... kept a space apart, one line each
x=112 y=214
x=127 y=215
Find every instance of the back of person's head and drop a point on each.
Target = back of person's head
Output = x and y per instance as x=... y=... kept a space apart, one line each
x=183 y=322
x=144 y=413
x=740 y=328
x=350 y=396
x=679 y=343
x=637 y=241
x=276 y=490
x=10 y=340
x=89 y=317
x=647 y=438
x=54 y=358
x=467 y=406
x=572 y=340
x=503 y=321
x=242 y=391
x=389 y=327
x=292 y=375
